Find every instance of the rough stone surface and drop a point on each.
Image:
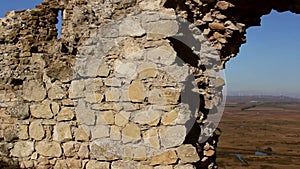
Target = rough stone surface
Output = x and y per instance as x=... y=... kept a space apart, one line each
x=93 y=164
x=34 y=91
x=36 y=130
x=172 y=136
x=41 y=110
x=62 y=132
x=49 y=149
x=168 y=157
x=187 y=154
x=22 y=149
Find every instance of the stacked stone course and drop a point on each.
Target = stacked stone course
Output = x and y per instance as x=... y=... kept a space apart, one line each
x=107 y=94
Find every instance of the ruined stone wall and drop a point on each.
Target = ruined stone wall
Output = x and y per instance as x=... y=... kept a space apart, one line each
x=127 y=85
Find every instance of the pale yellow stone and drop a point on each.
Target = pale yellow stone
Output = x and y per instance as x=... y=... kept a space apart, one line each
x=62 y=132
x=23 y=132
x=41 y=110
x=142 y=166
x=139 y=154
x=165 y=158
x=148 y=117
x=36 y=130
x=82 y=133
x=105 y=117
x=169 y=118
x=93 y=164
x=151 y=138
x=99 y=131
x=34 y=91
x=65 y=114
x=136 y=91
x=48 y=149
x=128 y=153
x=83 y=151
x=209 y=153
x=94 y=97
x=55 y=108
x=70 y=149
x=164 y=167
x=112 y=94
x=22 y=149
x=187 y=153
x=187 y=166
x=115 y=133
x=122 y=118
x=131 y=133
x=172 y=136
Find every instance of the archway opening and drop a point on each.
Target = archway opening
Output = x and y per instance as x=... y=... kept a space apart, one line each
x=261 y=120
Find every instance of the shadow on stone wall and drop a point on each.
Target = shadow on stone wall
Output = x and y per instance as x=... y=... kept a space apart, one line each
x=8 y=164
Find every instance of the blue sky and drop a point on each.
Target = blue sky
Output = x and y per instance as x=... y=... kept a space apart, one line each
x=269 y=63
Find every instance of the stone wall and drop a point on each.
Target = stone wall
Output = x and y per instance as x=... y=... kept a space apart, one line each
x=129 y=84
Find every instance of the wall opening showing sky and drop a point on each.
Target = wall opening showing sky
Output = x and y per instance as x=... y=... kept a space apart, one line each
x=269 y=63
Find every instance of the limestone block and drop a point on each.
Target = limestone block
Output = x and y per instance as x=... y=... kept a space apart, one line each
x=41 y=110
x=23 y=132
x=147 y=117
x=84 y=114
x=165 y=158
x=36 y=130
x=34 y=91
x=122 y=118
x=127 y=70
x=187 y=166
x=187 y=154
x=65 y=114
x=150 y=4
x=70 y=149
x=62 y=132
x=131 y=133
x=172 y=136
x=131 y=26
x=22 y=149
x=94 y=97
x=56 y=92
x=165 y=28
x=151 y=138
x=99 y=131
x=84 y=151
x=76 y=89
x=139 y=154
x=136 y=91
x=216 y=26
x=115 y=133
x=82 y=133
x=105 y=149
x=161 y=55
x=93 y=164
x=113 y=82
x=124 y=165
x=169 y=118
x=19 y=110
x=105 y=117
x=48 y=149
x=112 y=94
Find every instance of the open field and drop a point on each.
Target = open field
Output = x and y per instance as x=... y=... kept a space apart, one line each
x=270 y=126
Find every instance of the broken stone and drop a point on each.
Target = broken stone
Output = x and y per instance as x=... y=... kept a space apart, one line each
x=150 y=4
x=131 y=133
x=122 y=118
x=36 y=130
x=105 y=149
x=169 y=118
x=41 y=110
x=165 y=158
x=22 y=149
x=48 y=149
x=62 y=132
x=23 y=132
x=165 y=28
x=113 y=82
x=139 y=154
x=34 y=91
x=187 y=154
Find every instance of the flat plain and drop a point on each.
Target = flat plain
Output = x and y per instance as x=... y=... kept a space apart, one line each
x=260 y=133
